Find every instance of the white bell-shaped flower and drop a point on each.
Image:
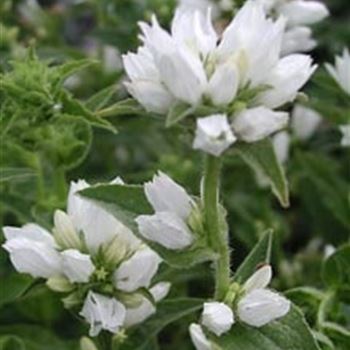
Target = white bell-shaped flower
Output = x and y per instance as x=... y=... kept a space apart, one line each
x=217 y=317
x=199 y=339
x=341 y=70
x=298 y=39
x=345 y=130
x=259 y=305
x=213 y=134
x=103 y=313
x=255 y=124
x=138 y=271
x=305 y=121
x=165 y=228
x=32 y=250
x=77 y=266
x=146 y=308
x=164 y=194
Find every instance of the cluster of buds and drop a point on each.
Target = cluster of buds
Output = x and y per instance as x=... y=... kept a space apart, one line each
x=241 y=77
x=102 y=269
x=252 y=304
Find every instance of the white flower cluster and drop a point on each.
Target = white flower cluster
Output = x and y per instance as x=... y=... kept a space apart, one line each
x=89 y=248
x=242 y=75
x=300 y=15
x=256 y=306
x=168 y=226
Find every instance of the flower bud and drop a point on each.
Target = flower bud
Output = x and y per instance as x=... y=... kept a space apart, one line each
x=217 y=317
x=165 y=228
x=213 y=134
x=115 y=251
x=87 y=344
x=260 y=279
x=64 y=231
x=199 y=339
x=59 y=284
x=131 y=300
x=71 y=300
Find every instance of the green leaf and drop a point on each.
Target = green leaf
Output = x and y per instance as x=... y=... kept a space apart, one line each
x=9 y=342
x=260 y=254
x=336 y=268
x=101 y=98
x=15 y=174
x=288 y=333
x=126 y=202
x=336 y=332
x=168 y=312
x=178 y=112
x=13 y=287
x=124 y=107
x=262 y=158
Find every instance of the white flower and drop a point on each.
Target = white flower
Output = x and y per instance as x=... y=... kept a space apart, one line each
x=255 y=124
x=281 y=142
x=305 y=121
x=165 y=228
x=345 y=129
x=138 y=271
x=32 y=250
x=198 y=338
x=213 y=134
x=300 y=12
x=341 y=71
x=146 y=309
x=298 y=39
x=103 y=313
x=76 y=266
x=190 y=65
x=164 y=194
x=259 y=305
x=217 y=317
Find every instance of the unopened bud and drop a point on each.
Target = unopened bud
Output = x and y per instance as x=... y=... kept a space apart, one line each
x=116 y=251
x=59 y=284
x=131 y=300
x=87 y=344
x=71 y=300
x=64 y=231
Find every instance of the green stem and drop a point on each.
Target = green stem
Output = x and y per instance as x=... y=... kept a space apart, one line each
x=217 y=238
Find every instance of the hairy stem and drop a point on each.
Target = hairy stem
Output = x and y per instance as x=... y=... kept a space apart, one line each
x=217 y=238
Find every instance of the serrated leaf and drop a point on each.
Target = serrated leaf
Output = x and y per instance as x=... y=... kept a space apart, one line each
x=126 y=202
x=336 y=268
x=168 y=312
x=262 y=158
x=260 y=254
x=288 y=333
x=178 y=112
x=15 y=174
x=13 y=287
x=101 y=98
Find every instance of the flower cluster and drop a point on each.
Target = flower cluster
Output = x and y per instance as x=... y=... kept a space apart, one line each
x=242 y=76
x=169 y=225
x=300 y=15
x=253 y=304
x=94 y=259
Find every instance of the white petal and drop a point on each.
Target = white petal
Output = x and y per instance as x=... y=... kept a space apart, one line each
x=138 y=271
x=77 y=267
x=217 y=317
x=103 y=313
x=262 y=306
x=164 y=194
x=297 y=39
x=199 y=339
x=213 y=134
x=223 y=84
x=35 y=258
x=304 y=122
x=165 y=228
x=259 y=280
x=290 y=74
x=345 y=130
x=281 y=143
x=139 y=314
x=29 y=231
x=300 y=12
x=255 y=124
x=160 y=290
